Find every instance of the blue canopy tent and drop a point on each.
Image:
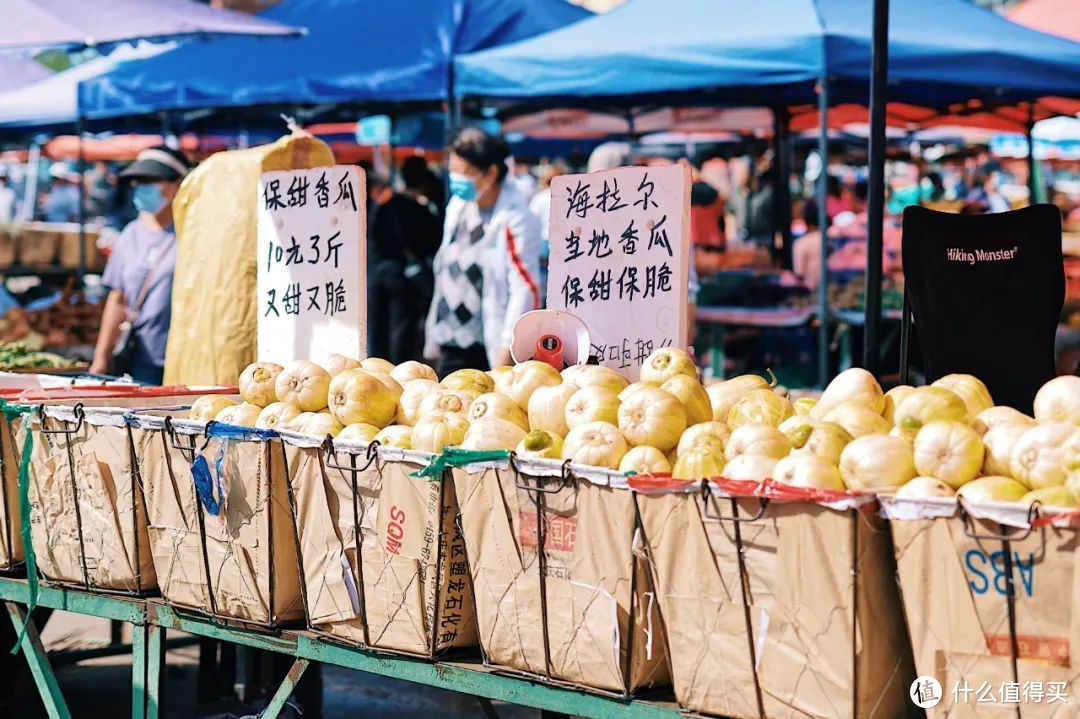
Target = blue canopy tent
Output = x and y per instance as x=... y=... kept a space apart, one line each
x=355 y=52
x=940 y=51
x=781 y=53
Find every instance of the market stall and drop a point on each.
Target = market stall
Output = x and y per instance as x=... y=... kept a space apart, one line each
x=599 y=552
x=522 y=533
x=813 y=53
x=593 y=528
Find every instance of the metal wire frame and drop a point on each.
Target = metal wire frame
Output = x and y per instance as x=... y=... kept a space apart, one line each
x=744 y=578
x=273 y=622
x=325 y=462
x=328 y=459
x=67 y=433
x=138 y=499
x=12 y=567
x=1006 y=536
x=540 y=490
x=174 y=441
x=744 y=575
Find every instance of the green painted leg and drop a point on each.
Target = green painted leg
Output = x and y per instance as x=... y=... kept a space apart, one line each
x=846 y=356
x=716 y=350
x=35 y=655
x=139 y=640
x=277 y=702
x=155 y=662
x=487 y=707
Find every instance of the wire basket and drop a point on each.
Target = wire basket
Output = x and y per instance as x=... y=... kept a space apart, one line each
x=560 y=543
x=382 y=561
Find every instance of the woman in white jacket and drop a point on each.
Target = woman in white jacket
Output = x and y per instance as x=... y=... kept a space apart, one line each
x=487 y=269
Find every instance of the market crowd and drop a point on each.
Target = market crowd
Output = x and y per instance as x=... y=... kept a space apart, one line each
x=449 y=275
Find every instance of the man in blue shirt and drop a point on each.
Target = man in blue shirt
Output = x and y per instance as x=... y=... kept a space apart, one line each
x=62 y=202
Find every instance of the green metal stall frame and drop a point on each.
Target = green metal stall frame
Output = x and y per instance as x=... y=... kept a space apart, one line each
x=151 y=619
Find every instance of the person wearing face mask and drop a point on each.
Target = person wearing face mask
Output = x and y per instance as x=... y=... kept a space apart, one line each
x=487 y=268
x=139 y=273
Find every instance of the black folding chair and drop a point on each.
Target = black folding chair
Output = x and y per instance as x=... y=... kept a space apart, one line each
x=984 y=293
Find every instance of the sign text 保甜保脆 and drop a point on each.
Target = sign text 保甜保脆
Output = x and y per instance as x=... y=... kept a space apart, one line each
x=619 y=259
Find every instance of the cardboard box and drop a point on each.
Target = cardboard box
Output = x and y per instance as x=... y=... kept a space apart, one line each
x=965 y=604
x=560 y=591
x=11 y=547
x=37 y=244
x=231 y=551
x=8 y=246
x=11 y=441
x=68 y=250
x=86 y=507
x=383 y=561
x=774 y=604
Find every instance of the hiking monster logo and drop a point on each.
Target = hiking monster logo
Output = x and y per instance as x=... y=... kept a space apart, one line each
x=970 y=257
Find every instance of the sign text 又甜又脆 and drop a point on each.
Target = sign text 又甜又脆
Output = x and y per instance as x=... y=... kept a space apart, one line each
x=312 y=290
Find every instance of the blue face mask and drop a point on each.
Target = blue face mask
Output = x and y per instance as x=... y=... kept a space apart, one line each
x=462 y=186
x=148 y=198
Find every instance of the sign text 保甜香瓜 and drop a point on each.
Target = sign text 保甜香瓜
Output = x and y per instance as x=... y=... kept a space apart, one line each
x=312 y=290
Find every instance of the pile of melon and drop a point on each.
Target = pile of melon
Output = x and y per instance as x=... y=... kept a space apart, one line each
x=939 y=440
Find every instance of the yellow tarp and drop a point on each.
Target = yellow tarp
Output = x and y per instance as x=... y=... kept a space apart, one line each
x=214 y=313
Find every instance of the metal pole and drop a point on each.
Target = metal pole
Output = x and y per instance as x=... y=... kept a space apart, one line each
x=30 y=188
x=167 y=137
x=1033 y=164
x=451 y=118
x=391 y=171
x=875 y=215
x=82 y=203
x=823 y=226
x=782 y=197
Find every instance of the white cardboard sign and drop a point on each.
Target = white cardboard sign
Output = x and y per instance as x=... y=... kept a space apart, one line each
x=312 y=259
x=620 y=259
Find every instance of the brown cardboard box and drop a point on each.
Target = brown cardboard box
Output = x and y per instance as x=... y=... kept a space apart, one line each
x=791 y=611
x=240 y=563
x=69 y=250
x=11 y=548
x=86 y=508
x=384 y=567
x=8 y=246
x=37 y=244
x=12 y=437
x=955 y=585
x=563 y=553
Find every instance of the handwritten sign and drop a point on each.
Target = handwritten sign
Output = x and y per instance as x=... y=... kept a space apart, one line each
x=620 y=259
x=312 y=259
